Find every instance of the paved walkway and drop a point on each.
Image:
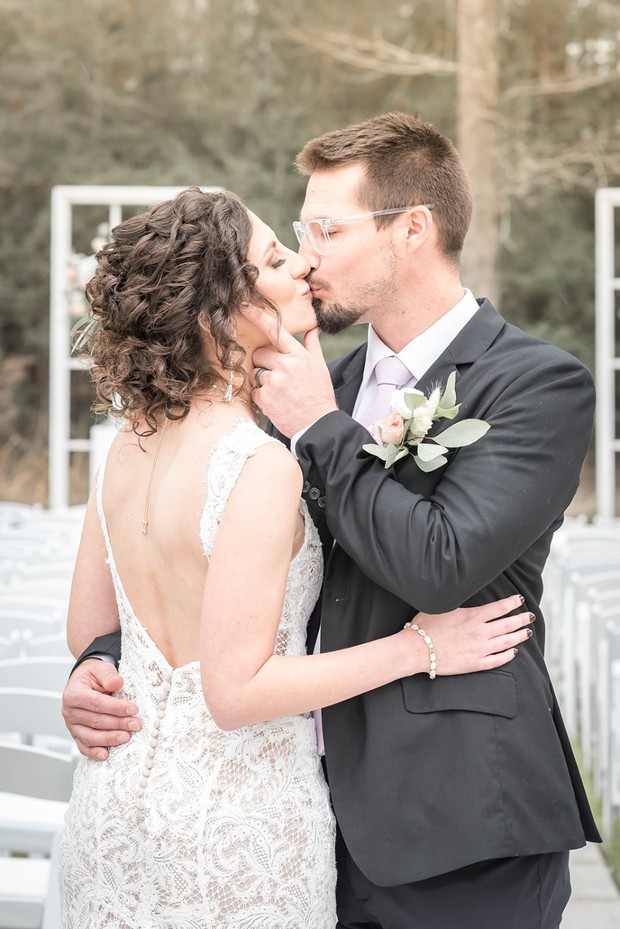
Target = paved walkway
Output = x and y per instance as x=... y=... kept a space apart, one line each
x=595 y=902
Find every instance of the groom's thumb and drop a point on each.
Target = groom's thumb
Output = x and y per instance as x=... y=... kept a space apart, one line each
x=312 y=341
x=105 y=676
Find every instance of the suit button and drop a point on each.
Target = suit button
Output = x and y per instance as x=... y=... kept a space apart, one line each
x=306 y=487
x=314 y=493
x=321 y=502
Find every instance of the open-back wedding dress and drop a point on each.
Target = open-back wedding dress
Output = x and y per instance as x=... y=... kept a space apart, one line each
x=187 y=826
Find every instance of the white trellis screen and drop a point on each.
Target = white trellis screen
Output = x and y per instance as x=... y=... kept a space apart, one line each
x=64 y=200
x=607 y=346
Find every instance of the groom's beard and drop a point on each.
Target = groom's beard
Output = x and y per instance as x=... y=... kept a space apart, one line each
x=333 y=318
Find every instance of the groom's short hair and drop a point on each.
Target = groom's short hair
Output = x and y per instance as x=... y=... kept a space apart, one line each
x=407 y=162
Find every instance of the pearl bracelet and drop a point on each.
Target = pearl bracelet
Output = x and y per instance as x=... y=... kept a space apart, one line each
x=431 y=650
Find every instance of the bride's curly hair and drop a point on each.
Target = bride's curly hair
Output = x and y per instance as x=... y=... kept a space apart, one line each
x=165 y=272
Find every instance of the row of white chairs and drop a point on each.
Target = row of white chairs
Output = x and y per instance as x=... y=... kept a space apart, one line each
x=37 y=757
x=582 y=607
x=37 y=762
x=37 y=545
x=35 y=786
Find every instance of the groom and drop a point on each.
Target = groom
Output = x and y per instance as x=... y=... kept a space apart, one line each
x=457 y=799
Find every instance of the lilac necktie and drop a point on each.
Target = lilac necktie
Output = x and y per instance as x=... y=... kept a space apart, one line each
x=391 y=375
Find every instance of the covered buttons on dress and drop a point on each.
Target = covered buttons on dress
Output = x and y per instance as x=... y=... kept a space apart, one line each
x=152 y=747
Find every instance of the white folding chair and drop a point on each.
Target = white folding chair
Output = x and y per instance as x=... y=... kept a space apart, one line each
x=588 y=585
x=607 y=711
x=44 y=645
x=22 y=599
x=47 y=575
x=21 y=626
x=10 y=645
x=574 y=550
x=44 y=673
x=46 y=612
x=35 y=787
x=13 y=515
x=34 y=717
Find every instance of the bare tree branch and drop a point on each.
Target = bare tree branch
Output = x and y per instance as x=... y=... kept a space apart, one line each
x=376 y=55
x=568 y=86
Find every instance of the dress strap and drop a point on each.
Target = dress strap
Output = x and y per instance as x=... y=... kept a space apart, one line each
x=99 y=491
x=225 y=464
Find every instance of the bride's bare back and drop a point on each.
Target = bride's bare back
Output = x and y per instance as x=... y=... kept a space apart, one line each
x=164 y=570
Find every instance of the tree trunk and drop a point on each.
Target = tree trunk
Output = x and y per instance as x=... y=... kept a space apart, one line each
x=478 y=102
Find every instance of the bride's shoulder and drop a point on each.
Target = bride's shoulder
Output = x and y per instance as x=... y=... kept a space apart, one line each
x=269 y=461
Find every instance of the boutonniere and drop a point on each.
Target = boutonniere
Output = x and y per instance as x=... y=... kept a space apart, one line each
x=404 y=431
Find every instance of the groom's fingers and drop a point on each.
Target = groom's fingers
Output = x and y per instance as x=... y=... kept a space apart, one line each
x=270 y=357
x=312 y=341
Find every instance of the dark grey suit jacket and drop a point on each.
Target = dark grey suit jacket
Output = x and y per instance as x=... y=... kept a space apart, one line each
x=429 y=776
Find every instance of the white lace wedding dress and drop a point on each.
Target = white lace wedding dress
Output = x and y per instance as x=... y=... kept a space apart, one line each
x=189 y=827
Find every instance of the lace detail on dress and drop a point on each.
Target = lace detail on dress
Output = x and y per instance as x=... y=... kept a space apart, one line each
x=189 y=827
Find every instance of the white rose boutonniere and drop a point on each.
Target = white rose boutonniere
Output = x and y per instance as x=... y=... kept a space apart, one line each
x=404 y=430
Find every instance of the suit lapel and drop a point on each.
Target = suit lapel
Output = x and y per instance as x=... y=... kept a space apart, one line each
x=467 y=346
x=347 y=383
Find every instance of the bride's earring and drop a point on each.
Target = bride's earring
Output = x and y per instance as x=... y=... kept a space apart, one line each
x=228 y=393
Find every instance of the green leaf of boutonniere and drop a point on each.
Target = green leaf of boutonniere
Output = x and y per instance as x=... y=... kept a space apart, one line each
x=464 y=433
x=395 y=453
x=430 y=465
x=447 y=402
x=414 y=400
x=428 y=451
x=380 y=451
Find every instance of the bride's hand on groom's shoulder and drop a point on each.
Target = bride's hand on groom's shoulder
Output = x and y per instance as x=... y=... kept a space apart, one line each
x=476 y=638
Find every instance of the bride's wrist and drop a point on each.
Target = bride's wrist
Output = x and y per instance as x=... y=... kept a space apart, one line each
x=415 y=653
x=420 y=631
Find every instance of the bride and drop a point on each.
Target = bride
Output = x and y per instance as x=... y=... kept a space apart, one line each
x=216 y=813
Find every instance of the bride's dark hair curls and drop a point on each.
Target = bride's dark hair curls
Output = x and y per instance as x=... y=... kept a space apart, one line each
x=166 y=276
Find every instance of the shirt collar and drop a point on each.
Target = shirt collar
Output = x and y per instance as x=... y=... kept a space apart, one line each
x=419 y=354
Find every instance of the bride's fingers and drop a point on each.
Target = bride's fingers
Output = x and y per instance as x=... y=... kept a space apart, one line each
x=508 y=624
x=505 y=642
x=499 y=659
x=489 y=611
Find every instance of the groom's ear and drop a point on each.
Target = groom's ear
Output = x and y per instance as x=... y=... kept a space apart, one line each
x=419 y=227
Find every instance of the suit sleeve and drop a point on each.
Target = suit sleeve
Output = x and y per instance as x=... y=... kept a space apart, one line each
x=493 y=499
x=109 y=644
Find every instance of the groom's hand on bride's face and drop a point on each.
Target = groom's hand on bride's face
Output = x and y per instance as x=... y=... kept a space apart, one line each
x=295 y=387
x=95 y=719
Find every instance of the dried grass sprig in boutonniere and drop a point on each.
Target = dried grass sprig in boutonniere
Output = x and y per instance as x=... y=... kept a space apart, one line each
x=404 y=430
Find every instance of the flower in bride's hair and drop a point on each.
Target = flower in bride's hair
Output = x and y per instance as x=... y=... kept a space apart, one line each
x=404 y=431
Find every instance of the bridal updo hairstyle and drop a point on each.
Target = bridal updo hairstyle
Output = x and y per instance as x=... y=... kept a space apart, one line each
x=165 y=277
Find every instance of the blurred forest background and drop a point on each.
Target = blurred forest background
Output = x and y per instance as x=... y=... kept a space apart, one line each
x=225 y=92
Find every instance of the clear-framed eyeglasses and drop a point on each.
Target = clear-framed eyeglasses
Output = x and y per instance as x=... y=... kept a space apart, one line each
x=316 y=231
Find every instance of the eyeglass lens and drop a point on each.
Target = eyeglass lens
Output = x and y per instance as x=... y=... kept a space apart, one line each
x=315 y=232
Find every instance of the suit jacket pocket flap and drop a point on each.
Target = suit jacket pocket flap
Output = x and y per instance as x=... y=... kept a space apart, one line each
x=491 y=692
